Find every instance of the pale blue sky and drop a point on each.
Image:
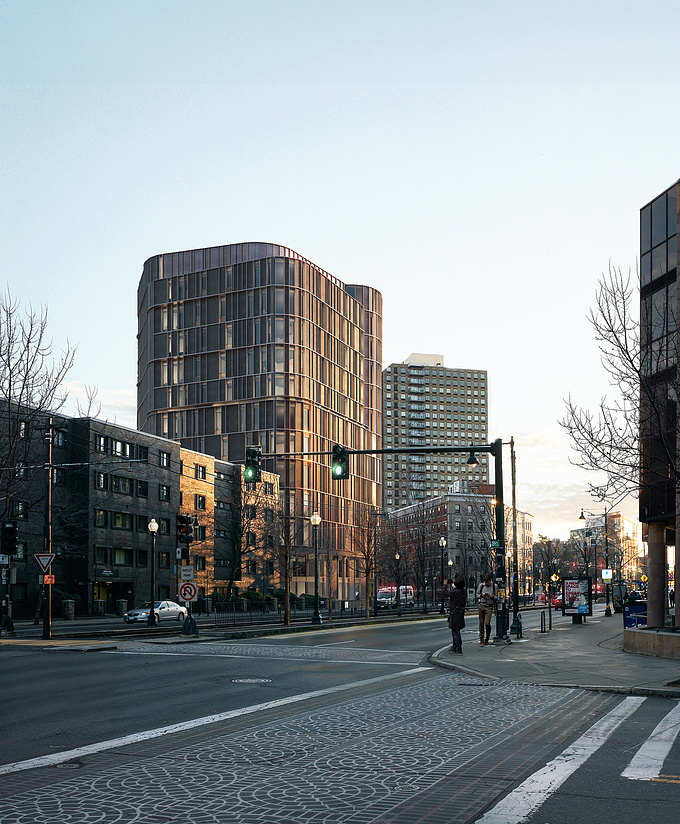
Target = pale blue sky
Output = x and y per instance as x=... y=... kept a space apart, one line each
x=496 y=154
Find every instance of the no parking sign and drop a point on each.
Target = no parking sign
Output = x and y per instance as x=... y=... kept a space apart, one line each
x=188 y=591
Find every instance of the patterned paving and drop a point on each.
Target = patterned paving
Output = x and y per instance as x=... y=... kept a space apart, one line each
x=350 y=763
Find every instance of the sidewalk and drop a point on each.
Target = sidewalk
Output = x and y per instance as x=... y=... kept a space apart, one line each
x=587 y=656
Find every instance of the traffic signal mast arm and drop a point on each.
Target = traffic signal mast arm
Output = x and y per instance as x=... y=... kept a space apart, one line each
x=495 y=449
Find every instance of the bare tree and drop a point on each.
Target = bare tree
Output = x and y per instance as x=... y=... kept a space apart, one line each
x=287 y=529
x=31 y=381
x=547 y=558
x=366 y=528
x=608 y=440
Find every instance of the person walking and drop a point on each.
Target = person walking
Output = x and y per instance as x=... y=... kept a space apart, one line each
x=457 y=601
x=487 y=595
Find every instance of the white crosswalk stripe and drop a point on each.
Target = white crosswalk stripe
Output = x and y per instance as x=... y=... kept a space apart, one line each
x=648 y=761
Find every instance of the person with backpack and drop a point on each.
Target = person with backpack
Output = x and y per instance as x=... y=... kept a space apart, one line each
x=487 y=596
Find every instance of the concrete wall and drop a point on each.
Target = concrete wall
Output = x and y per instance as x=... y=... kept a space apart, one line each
x=651 y=642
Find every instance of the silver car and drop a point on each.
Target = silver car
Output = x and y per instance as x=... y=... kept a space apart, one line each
x=163 y=611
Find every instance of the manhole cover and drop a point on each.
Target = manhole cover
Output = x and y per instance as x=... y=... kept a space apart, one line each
x=251 y=680
x=69 y=765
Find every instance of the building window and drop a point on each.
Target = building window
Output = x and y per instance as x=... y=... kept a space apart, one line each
x=100 y=518
x=199 y=563
x=142 y=557
x=122 y=485
x=251 y=539
x=200 y=472
x=121 y=520
x=164 y=527
x=164 y=459
x=142 y=523
x=101 y=555
x=142 y=489
x=21 y=510
x=163 y=492
x=101 y=480
x=122 y=557
x=199 y=501
x=164 y=560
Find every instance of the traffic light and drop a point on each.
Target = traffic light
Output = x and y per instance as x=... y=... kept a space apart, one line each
x=252 y=472
x=340 y=465
x=184 y=529
x=10 y=537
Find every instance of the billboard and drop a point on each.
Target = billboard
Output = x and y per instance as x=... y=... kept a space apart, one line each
x=577 y=596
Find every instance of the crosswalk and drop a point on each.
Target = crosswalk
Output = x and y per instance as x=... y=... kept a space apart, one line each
x=647 y=763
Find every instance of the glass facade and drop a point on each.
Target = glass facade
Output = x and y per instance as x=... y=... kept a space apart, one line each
x=658 y=355
x=426 y=404
x=252 y=344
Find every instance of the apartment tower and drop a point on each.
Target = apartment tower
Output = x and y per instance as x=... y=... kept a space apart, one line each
x=252 y=344
x=426 y=403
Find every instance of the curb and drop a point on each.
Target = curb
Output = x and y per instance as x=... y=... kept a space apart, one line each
x=663 y=692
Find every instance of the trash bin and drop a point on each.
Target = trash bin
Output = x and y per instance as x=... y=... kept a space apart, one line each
x=121 y=607
x=99 y=608
x=68 y=610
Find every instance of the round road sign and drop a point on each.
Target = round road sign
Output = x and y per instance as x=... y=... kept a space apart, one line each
x=187 y=591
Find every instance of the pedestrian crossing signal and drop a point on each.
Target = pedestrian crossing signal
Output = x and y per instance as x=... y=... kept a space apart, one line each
x=340 y=463
x=252 y=471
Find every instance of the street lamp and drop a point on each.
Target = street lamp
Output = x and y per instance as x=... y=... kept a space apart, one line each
x=607 y=608
x=315 y=520
x=397 y=558
x=153 y=529
x=442 y=546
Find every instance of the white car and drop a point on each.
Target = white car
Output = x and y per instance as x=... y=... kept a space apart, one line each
x=163 y=611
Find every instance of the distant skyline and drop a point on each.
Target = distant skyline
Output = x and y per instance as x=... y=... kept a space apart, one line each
x=496 y=154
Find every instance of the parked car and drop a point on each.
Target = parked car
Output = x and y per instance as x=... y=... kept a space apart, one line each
x=163 y=611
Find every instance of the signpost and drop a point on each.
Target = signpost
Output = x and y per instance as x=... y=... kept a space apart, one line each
x=45 y=560
x=188 y=591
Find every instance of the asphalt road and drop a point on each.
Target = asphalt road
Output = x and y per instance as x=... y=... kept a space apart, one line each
x=335 y=726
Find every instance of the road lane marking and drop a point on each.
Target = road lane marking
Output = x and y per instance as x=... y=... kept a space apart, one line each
x=647 y=763
x=54 y=759
x=272 y=657
x=524 y=800
x=337 y=643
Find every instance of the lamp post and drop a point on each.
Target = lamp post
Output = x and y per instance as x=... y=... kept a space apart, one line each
x=607 y=608
x=397 y=558
x=315 y=520
x=153 y=529
x=442 y=547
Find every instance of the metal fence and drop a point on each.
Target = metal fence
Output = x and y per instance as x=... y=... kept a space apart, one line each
x=248 y=613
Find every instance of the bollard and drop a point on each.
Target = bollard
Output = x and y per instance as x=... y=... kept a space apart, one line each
x=543 y=629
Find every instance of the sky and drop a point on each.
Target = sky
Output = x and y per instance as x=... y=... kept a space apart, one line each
x=481 y=164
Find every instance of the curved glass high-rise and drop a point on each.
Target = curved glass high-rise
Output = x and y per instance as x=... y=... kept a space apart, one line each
x=253 y=344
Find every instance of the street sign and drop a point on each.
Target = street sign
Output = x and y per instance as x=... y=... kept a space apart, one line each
x=48 y=579
x=495 y=544
x=187 y=573
x=4 y=559
x=44 y=560
x=188 y=591
x=643 y=578
x=607 y=574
